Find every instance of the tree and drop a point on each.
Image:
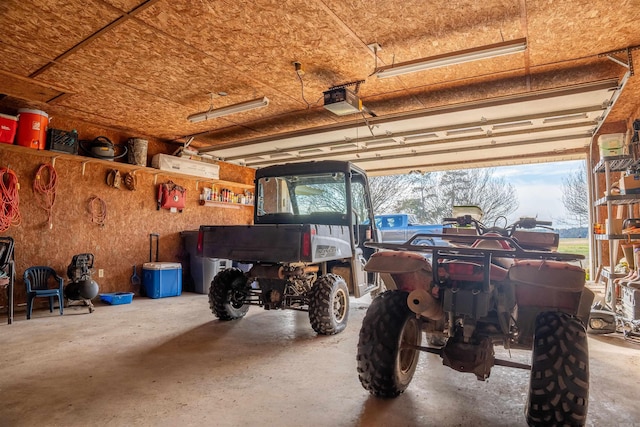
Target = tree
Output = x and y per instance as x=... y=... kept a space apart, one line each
x=575 y=196
x=387 y=190
x=435 y=194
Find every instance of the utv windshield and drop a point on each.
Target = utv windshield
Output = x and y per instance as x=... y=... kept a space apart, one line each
x=301 y=198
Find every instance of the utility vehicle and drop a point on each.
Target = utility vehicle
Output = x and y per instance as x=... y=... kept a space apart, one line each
x=306 y=246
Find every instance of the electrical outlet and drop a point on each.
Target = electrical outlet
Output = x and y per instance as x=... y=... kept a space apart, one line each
x=100 y=272
x=298 y=67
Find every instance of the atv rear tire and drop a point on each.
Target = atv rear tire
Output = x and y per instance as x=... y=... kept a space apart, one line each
x=384 y=367
x=559 y=385
x=227 y=294
x=329 y=305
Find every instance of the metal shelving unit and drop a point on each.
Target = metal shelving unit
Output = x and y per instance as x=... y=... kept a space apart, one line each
x=608 y=165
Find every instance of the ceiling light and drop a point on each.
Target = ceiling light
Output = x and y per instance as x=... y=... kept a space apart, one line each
x=230 y=109
x=467 y=55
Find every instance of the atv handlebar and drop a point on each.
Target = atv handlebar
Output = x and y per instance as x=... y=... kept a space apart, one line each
x=507 y=230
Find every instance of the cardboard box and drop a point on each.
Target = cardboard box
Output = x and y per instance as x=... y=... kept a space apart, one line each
x=629 y=184
x=613 y=226
x=162 y=279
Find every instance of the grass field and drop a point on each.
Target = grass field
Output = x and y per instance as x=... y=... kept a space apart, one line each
x=576 y=246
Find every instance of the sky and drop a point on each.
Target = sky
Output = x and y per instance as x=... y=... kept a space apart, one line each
x=539 y=189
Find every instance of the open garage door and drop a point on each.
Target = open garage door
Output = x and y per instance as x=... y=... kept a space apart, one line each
x=550 y=125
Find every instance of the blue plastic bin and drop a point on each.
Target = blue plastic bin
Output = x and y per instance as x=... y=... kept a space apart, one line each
x=117 y=298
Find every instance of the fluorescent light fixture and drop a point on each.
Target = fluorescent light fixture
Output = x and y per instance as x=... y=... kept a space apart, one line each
x=467 y=55
x=230 y=109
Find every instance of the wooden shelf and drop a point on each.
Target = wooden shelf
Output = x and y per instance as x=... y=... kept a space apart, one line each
x=212 y=203
x=54 y=155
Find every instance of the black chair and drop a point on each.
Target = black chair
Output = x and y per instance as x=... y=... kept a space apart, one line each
x=7 y=272
x=43 y=281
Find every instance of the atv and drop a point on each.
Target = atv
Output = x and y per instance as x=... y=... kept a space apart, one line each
x=493 y=286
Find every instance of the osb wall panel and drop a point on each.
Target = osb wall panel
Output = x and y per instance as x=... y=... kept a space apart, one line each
x=565 y=30
x=19 y=61
x=125 y=5
x=135 y=54
x=627 y=105
x=50 y=27
x=246 y=38
x=123 y=241
x=418 y=29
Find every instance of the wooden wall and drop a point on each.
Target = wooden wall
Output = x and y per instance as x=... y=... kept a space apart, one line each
x=123 y=241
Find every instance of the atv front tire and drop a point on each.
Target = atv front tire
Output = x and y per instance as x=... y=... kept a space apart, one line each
x=559 y=385
x=385 y=368
x=227 y=294
x=329 y=305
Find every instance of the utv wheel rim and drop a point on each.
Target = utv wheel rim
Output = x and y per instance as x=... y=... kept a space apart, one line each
x=409 y=336
x=340 y=305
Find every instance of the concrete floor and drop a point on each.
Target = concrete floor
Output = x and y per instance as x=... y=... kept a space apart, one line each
x=169 y=362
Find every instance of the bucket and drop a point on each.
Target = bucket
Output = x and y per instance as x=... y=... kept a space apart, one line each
x=138 y=151
x=32 y=128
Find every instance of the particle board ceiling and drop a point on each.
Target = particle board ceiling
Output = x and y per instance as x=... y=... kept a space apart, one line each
x=144 y=66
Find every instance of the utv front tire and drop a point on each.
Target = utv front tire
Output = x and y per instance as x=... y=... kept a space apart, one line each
x=385 y=368
x=329 y=305
x=227 y=294
x=559 y=385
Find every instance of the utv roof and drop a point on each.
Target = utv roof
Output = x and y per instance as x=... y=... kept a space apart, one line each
x=304 y=168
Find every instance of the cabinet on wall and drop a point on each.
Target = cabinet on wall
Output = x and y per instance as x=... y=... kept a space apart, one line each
x=623 y=205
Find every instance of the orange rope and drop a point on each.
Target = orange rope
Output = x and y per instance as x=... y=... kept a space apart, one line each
x=10 y=211
x=46 y=190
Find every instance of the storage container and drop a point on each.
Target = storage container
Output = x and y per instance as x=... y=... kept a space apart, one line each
x=203 y=270
x=611 y=144
x=32 y=128
x=8 y=128
x=117 y=298
x=630 y=302
x=166 y=162
x=162 y=279
x=62 y=141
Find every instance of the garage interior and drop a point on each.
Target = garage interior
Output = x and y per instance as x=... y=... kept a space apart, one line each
x=127 y=69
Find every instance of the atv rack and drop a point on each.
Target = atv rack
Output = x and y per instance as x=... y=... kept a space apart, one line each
x=461 y=251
